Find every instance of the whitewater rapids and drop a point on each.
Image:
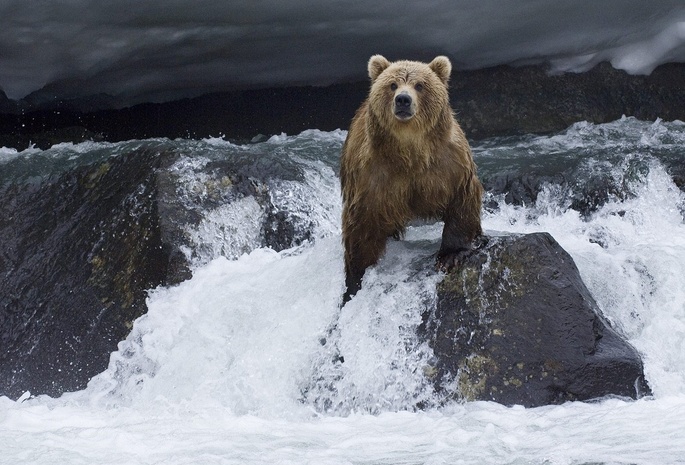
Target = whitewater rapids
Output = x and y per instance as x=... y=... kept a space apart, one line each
x=221 y=368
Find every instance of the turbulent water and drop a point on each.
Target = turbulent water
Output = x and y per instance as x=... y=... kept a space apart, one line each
x=242 y=363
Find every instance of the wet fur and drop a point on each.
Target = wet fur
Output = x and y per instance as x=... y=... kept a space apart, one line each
x=393 y=171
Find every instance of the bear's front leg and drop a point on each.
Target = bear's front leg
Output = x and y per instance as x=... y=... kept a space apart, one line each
x=462 y=227
x=363 y=248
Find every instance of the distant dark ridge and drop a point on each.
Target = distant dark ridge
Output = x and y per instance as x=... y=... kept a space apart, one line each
x=497 y=101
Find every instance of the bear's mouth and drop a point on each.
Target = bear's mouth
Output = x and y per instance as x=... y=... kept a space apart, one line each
x=404 y=115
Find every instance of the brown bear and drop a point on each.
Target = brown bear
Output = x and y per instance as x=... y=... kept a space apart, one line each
x=406 y=157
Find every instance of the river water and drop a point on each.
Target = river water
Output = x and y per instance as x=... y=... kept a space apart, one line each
x=228 y=367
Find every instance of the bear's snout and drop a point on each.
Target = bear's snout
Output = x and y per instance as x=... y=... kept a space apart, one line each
x=403 y=106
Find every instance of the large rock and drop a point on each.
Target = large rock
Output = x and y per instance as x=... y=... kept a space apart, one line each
x=81 y=247
x=515 y=324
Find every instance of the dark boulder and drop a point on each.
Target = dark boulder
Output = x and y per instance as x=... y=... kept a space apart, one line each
x=79 y=250
x=82 y=245
x=515 y=324
x=582 y=191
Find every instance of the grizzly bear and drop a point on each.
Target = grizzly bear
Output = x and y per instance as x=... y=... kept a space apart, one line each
x=406 y=157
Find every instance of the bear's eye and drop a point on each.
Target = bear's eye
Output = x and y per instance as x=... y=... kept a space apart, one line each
x=418 y=87
x=393 y=87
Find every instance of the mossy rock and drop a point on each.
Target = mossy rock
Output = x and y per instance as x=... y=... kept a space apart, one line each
x=515 y=324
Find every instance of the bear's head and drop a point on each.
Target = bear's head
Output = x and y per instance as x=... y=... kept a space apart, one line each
x=409 y=95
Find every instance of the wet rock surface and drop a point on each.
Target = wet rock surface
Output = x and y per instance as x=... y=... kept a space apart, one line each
x=79 y=251
x=82 y=246
x=515 y=324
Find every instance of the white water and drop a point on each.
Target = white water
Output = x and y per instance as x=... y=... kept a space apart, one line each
x=228 y=367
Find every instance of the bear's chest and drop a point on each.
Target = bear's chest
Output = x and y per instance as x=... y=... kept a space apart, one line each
x=428 y=196
x=422 y=192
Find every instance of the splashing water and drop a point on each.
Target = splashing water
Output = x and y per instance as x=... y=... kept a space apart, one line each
x=243 y=363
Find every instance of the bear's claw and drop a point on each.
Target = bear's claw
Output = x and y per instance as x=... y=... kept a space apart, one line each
x=446 y=262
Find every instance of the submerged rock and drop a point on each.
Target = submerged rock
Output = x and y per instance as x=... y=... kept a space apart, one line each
x=515 y=324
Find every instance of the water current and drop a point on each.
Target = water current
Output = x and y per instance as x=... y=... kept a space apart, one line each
x=228 y=367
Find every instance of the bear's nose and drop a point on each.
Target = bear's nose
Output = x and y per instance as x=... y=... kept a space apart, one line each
x=403 y=101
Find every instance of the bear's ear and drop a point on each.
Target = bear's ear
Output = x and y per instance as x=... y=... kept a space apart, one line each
x=377 y=64
x=442 y=67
